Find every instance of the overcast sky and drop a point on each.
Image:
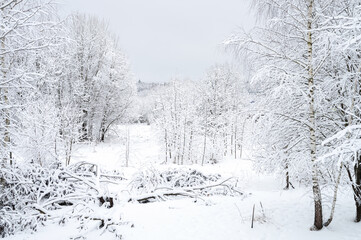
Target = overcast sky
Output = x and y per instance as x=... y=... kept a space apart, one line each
x=169 y=38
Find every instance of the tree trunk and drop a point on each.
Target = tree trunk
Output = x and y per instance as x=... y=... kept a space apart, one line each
x=241 y=140
x=170 y=151
x=357 y=187
x=166 y=145
x=7 y=141
x=235 y=140
x=102 y=134
x=103 y=128
x=334 y=197
x=190 y=147
x=318 y=221
x=356 y=192
x=68 y=152
x=288 y=183
x=214 y=147
x=225 y=140
x=184 y=142
x=175 y=147
x=358 y=211
x=205 y=136
x=91 y=124
x=84 y=126
x=204 y=145
x=232 y=143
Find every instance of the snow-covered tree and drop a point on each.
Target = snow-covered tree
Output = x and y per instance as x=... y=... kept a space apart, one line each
x=22 y=24
x=290 y=54
x=200 y=121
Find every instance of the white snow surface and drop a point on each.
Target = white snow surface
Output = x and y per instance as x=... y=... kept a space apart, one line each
x=285 y=215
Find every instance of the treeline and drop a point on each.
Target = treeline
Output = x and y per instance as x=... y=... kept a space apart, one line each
x=200 y=121
x=61 y=82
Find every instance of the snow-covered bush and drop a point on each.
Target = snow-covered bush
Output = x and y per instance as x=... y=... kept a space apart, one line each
x=149 y=180
x=30 y=193
x=152 y=184
x=27 y=193
x=12 y=221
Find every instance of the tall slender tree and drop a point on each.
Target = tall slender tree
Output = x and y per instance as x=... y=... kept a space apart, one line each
x=291 y=51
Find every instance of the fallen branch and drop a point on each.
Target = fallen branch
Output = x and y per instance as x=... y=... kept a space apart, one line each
x=146 y=198
x=113 y=176
x=192 y=192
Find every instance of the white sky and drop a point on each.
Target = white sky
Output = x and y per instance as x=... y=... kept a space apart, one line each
x=169 y=38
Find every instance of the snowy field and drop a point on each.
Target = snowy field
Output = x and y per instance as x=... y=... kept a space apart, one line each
x=279 y=214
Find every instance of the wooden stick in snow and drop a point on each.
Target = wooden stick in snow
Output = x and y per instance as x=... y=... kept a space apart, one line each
x=254 y=205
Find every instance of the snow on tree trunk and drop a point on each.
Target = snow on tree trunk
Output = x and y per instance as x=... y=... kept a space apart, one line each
x=318 y=220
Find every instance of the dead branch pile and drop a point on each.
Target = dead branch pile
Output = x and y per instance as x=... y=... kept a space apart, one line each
x=30 y=193
x=152 y=185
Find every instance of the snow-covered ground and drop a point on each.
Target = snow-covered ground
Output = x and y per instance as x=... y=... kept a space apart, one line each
x=144 y=149
x=279 y=214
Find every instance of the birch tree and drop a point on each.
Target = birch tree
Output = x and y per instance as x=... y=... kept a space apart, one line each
x=293 y=49
x=20 y=26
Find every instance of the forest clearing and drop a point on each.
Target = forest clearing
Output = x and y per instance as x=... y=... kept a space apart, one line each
x=183 y=120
